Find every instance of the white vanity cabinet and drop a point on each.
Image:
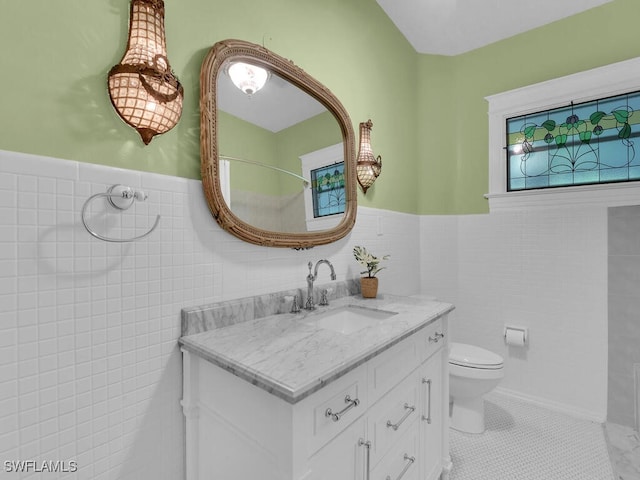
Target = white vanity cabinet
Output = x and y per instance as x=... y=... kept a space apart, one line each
x=435 y=416
x=386 y=419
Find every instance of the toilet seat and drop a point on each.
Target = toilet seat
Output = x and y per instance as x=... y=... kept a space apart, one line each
x=471 y=356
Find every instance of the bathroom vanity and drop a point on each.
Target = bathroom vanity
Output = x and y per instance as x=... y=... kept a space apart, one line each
x=356 y=390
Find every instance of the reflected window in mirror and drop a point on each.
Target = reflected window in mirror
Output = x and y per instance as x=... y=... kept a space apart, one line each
x=327 y=190
x=325 y=201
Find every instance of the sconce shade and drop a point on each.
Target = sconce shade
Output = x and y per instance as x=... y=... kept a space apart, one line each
x=143 y=89
x=248 y=78
x=368 y=167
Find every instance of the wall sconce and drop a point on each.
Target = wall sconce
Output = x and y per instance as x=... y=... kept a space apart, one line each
x=367 y=166
x=143 y=89
x=248 y=78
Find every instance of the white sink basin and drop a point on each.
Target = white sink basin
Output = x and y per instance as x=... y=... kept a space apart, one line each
x=349 y=319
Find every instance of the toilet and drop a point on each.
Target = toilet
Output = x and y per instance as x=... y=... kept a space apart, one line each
x=473 y=372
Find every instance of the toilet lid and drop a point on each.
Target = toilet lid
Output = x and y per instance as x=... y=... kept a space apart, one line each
x=471 y=356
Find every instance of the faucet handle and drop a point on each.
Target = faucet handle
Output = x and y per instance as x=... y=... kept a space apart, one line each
x=323 y=298
x=295 y=308
x=309 y=305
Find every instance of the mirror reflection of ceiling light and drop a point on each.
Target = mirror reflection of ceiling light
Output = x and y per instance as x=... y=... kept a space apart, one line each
x=248 y=78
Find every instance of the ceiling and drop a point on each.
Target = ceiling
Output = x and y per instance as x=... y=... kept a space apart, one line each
x=278 y=105
x=451 y=27
x=442 y=27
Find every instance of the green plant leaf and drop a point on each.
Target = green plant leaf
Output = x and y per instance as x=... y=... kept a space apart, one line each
x=621 y=115
x=596 y=117
x=585 y=137
x=625 y=131
x=530 y=131
x=368 y=260
x=549 y=125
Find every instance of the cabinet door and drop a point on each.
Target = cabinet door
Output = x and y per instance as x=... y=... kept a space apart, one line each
x=403 y=460
x=342 y=458
x=432 y=417
x=393 y=415
x=389 y=368
x=332 y=409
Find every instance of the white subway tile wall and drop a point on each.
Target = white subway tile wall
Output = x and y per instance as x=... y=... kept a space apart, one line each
x=544 y=268
x=90 y=371
x=89 y=366
x=624 y=316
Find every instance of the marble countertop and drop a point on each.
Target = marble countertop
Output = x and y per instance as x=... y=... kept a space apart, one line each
x=291 y=357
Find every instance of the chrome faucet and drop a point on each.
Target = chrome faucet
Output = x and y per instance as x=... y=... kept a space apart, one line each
x=311 y=278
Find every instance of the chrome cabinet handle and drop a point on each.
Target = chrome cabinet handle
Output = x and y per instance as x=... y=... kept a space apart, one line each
x=428 y=417
x=366 y=445
x=406 y=467
x=335 y=416
x=436 y=338
x=395 y=426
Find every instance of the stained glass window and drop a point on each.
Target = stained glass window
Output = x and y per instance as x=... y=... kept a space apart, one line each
x=327 y=184
x=579 y=144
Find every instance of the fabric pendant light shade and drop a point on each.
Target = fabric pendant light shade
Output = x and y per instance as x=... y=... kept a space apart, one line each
x=143 y=89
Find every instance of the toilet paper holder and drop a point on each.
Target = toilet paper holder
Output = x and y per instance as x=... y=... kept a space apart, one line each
x=515 y=332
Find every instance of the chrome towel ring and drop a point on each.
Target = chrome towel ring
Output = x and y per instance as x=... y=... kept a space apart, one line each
x=120 y=197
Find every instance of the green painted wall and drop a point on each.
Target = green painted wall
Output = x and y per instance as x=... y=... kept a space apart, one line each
x=457 y=112
x=282 y=150
x=56 y=56
x=262 y=148
x=436 y=135
x=429 y=112
x=313 y=134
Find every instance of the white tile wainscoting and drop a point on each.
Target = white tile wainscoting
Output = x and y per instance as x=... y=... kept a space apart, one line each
x=545 y=269
x=624 y=328
x=89 y=367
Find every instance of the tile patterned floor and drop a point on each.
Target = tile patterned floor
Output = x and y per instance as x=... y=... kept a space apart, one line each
x=624 y=448
x=526 y=442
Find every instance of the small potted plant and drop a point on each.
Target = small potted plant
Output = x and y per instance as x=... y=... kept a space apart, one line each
x=369 y=283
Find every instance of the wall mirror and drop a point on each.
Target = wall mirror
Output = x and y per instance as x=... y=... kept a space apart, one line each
x=277 y=161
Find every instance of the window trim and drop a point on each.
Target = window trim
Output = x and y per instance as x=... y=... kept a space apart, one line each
x=610 y=80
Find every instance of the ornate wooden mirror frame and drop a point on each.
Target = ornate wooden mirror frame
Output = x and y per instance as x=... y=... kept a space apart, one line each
x=215 y=61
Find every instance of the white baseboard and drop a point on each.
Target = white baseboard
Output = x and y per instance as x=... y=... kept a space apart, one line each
x=570 y=410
